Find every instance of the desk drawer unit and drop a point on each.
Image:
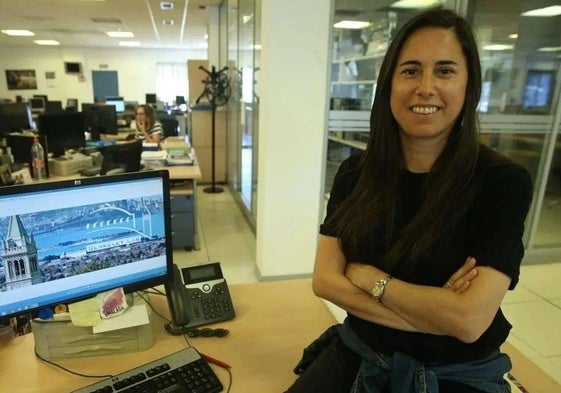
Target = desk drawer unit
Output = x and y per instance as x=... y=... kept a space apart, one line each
x=182 y=221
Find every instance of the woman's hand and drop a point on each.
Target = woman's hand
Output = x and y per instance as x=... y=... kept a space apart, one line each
x=462 y=278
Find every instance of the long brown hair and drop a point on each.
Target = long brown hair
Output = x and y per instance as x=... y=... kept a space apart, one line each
x=373 y=200
x=150 y=115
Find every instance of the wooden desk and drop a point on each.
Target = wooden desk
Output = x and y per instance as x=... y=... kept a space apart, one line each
x=274 y=322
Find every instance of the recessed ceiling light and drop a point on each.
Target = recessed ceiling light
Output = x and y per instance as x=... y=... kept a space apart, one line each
x=497 y=47
x=47 y=42
x=166 y=5
x=414 y=4
x=22 y=33
x=168 y=22
x=129 y=43
x=351 y=24
x=513 y=36
x=553 y=10
x=550 y=49
x=120 y=34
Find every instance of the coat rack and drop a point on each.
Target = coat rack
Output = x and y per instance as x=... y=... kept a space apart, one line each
x=217 y=92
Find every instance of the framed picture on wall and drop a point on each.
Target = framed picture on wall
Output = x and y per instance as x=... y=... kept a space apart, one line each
x=21 y=79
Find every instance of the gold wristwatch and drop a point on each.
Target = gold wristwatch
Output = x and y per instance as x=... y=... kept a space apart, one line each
x=378 y=289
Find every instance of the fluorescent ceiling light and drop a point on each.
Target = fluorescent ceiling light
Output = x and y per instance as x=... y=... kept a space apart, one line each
x=168 y=22
x=351 y=24
x=550 y=49
x=513 y=36
x=414 y=4
x=22 y=33
x=497 y=47
x=553 y=10
x=47 y=42
x=257 y=46
x=129 y=43
x=120 y=34
x=166 y=5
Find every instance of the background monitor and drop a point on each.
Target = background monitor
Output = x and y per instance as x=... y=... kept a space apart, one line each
x=72 y=67
x=64 y=131
x=71 y=104
x=538 y=91
x=53 y=107
x=44 y=96
x=82 y=238
x=119 y=103
x=121 y=157
x=100 y=119
x=151 y=98
x=15 y=117
x=21 y=148
x=37 y=104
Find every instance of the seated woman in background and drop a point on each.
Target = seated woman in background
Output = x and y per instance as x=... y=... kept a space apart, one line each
x=147 y=124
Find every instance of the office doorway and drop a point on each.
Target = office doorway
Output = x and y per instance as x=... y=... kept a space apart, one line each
x=105 y=84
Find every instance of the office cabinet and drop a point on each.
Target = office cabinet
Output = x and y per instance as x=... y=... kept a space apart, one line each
x=182 y=206
x=201 y=140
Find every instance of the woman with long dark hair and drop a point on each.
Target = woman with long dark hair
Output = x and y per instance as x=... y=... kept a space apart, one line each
x=423 y=233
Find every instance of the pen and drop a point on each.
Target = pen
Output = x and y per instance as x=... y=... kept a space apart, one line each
x=210 y=359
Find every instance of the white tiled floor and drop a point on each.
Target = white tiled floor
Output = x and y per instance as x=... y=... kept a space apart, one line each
x=534 y=308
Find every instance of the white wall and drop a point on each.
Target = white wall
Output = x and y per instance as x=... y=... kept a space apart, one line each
x=136 y=69
x=295 y=59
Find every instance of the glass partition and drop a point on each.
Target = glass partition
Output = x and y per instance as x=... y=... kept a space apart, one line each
x=520 y=48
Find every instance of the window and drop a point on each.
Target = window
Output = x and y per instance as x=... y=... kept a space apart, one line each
x=171 y=81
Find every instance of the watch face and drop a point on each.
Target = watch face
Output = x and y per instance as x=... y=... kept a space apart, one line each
x=377 y=290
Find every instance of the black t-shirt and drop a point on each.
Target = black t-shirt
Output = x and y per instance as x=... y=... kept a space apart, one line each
x=491 y=231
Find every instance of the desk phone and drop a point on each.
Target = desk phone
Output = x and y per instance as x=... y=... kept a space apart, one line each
x=198 y=296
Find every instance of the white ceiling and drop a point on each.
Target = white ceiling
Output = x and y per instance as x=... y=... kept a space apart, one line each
x=84 y=23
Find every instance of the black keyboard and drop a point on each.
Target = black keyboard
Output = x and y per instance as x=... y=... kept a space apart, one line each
x=184 y=371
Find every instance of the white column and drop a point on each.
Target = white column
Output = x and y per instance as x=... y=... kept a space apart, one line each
x=292 y=133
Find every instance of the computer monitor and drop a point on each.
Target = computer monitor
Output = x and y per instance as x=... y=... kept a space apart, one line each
x=121 y=157
x=70 y=240
x=53 y=107
x=43 y=96
x=63 y=130
x=151 y=98
x=100 y=119
x=538 y=91
x=15 y=117
x=71 y=104
x=119 y=103
x=37 y=104
x=20 y=144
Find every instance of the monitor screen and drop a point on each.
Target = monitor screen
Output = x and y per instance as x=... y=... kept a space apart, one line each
x=151 y=98
x=100 y=119
x=63 y=130
x=37 y=104
x=72 y=67
x=119 y=103
x=123 y=157
x=69 y=240
x=53 y=106
x=538 y=91
x=15 y=117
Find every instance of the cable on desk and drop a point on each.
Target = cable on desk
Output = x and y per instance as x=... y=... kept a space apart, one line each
x=68 y=370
